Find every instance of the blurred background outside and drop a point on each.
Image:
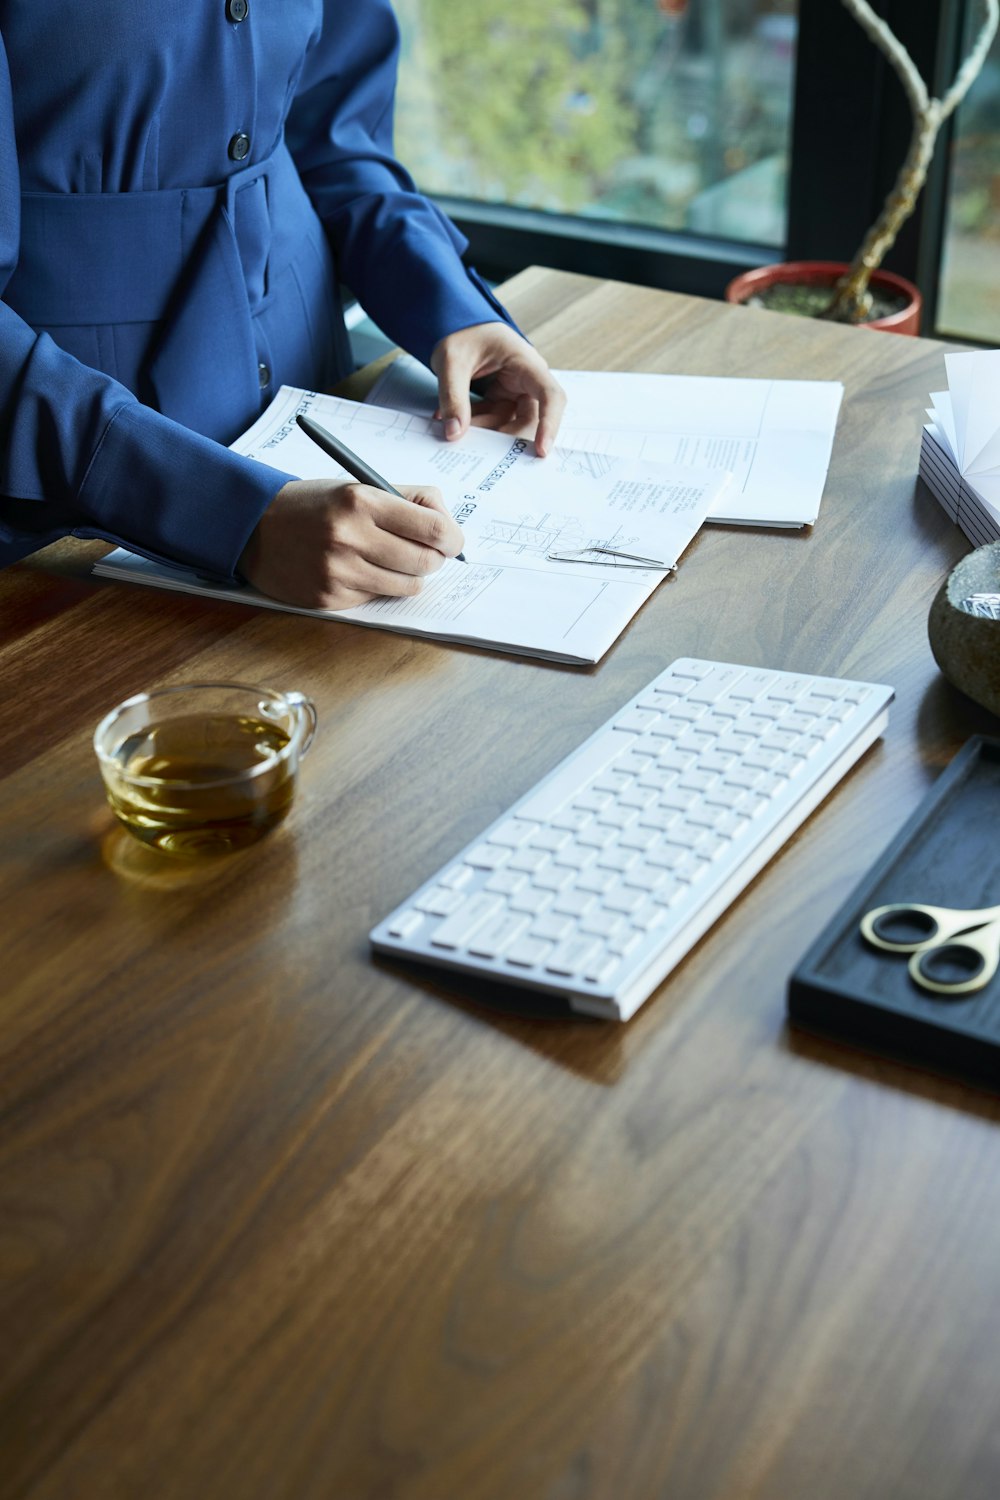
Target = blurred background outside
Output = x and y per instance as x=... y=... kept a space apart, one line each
x=664 y=114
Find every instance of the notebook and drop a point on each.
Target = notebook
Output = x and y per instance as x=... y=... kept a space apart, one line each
x=554 y=547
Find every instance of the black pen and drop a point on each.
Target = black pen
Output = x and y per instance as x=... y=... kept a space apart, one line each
x=348 y=459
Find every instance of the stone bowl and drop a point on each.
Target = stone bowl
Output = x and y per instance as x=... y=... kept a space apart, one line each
x=967 y=646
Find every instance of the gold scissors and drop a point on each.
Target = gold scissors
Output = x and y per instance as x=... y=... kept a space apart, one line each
x=953 y=952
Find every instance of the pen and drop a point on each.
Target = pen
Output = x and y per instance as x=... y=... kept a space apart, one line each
x=348 y=459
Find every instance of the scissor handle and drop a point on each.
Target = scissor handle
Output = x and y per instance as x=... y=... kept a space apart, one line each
x=958 y=965
x=909 y=926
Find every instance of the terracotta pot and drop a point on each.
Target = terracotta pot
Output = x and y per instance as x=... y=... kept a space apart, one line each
x=826 y=273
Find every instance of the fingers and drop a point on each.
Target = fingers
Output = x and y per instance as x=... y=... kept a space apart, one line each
x=421 y=517
x=551 y=407
x=454 y=372
x=332 y=546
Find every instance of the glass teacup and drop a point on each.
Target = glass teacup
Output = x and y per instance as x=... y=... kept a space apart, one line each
x=205 y=768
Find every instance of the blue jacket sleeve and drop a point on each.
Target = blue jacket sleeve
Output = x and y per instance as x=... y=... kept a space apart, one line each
x=401 y=257
x=80 y=455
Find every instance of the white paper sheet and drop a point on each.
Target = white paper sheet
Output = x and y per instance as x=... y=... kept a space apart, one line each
x=516 y=511
x=965 y=420
x=960 y=447
x=774 y=436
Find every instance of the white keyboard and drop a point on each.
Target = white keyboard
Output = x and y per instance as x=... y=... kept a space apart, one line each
x=597 y=882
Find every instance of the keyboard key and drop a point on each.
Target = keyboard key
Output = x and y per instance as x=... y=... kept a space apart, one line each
x=527 y=952
x=797 y=722
x=551 y=839
x=571 y=818
x=724 y=795
x=529 y=860
x=696 y=741
x=706 y=815
x=644 y=877
x=575 y=857
x=664 y=856
x=456 y=930
x=720 y=682
x=513 y=833
x=679 y=798
x=618 y=817
x=611 y=781
x=688 y=711
x=552 y=927
x=791 y=689
x=439 y=901
x=596 y=881
x=573 y=956
x=506 y=882
x=497 y=934
x=696 y=781
x=743 y=776
x=638 y=838
x=487 y=857
x=597 y=836
x=575 y=902
x=617 y=858
x=778 y=739
x=593 y=801
x=626 y=942
x=659 y=818
x=753 y=685
x=603 y=924
x=697 y=671
x=406 y=923
x=639 y=797
x=602 y=967
x=685 y=835
x=532 y=901
x=635 y=720
x=624 y=898
x=678 y=760
x=632 y=763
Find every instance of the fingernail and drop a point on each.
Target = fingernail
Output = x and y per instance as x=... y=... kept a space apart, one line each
x=452 y=428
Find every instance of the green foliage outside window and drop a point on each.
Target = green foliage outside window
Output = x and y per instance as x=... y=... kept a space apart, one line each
x=520 y=103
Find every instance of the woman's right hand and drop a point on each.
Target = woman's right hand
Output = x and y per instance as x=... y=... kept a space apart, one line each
x=324 y=545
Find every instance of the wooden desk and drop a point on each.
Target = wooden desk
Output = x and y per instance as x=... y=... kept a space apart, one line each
x=277 y=1220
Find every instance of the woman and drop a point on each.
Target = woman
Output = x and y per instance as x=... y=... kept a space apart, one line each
x=183 y=188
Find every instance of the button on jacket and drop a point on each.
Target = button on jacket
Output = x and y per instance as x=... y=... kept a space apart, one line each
x=182 y=188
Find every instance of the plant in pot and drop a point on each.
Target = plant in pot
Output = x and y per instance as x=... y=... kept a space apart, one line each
x=860 y=292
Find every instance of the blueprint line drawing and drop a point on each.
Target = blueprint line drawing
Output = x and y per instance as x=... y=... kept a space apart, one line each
x=539 y=535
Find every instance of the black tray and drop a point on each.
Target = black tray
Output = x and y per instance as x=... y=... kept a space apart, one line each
x=948 y=854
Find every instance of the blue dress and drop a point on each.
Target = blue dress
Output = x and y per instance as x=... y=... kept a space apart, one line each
x=182 y=189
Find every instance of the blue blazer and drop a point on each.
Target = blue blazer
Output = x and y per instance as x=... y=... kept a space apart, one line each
x=182 y=188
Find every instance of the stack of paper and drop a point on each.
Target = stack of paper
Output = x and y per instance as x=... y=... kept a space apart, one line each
x=960 y=445
x=561 y=552
x=773 y=436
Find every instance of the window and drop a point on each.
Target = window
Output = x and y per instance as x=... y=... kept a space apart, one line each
x=656 y=115
x=653 y=140
x=969 y=294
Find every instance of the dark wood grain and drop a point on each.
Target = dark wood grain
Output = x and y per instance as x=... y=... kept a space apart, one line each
x=279 y=1221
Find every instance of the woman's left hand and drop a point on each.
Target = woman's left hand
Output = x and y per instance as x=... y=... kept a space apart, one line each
x=520 y=391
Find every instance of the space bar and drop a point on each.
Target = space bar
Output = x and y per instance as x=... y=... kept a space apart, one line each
x=546 y=798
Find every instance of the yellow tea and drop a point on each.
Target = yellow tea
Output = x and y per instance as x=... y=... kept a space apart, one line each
x=201 y=783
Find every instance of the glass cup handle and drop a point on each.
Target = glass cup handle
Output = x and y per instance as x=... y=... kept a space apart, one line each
x=304 y=712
